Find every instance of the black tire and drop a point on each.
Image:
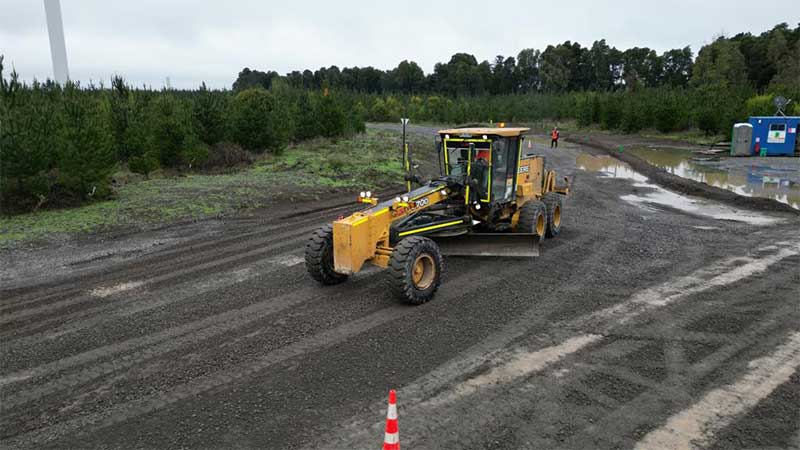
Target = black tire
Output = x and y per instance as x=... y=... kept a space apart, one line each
x=319 y=257
x=555 y=211
x=532 y=219
x=408 y=253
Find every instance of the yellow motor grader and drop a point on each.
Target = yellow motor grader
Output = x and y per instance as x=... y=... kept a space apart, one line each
x=489 y=200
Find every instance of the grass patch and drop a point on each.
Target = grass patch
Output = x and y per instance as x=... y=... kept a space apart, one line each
x=306 y=170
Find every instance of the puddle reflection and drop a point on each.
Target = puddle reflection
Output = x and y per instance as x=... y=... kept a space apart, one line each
x=614 y=168
x=775 y=178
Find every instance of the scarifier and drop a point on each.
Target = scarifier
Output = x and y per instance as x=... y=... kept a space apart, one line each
x=489 y=200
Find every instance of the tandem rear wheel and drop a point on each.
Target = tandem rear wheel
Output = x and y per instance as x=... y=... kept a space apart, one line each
x=553 y=204
x=415 y=269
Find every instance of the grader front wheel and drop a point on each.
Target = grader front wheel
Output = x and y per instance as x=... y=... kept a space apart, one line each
x=415 y=269
x=319 y=257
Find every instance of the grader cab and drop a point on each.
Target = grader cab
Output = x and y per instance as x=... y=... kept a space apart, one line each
x=488 y=200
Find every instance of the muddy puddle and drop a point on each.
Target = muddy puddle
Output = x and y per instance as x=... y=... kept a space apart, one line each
x=660 y=198
x=772 y=177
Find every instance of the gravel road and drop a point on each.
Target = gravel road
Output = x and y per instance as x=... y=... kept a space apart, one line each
x=639 y=327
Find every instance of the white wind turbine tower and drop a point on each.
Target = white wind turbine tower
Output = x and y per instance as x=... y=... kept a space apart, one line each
x=58 y=49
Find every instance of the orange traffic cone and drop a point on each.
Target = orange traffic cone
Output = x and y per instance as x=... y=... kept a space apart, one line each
x=391 y=440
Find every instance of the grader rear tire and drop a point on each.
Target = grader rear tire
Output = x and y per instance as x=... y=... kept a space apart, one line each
x=533 y=219
x=554 y=206
x=415 y=269
x=319 y=257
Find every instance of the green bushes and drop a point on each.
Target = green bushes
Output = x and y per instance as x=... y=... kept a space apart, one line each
x=260 y=121
x=59 y=145
x=208 y=113
x=710 y=108
x=55 y=145
x=84 y=157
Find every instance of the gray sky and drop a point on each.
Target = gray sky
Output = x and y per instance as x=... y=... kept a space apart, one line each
x=191 y=41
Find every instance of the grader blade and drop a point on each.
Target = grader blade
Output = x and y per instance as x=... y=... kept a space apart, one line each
x=512 y=245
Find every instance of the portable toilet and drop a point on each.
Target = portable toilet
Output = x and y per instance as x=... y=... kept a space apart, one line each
x=742 y=139
x=774 y=136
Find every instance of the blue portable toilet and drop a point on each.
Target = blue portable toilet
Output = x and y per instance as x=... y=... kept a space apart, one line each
x=775 y=135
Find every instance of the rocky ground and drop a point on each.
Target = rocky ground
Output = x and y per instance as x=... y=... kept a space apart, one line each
x=640 y=326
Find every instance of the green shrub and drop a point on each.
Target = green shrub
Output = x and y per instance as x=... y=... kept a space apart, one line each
x=208 y=113
x=306 y=122
x=357 y=118
x=611 y=112
x=259 y=121
x=144 y=164
x=27 y=136
x=84 y=152
x=669 y=114
x=170 y=131
x=128 y=120
x=633 y=114
x=332 y=120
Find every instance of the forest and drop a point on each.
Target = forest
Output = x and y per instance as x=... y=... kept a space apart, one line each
x=59 y=144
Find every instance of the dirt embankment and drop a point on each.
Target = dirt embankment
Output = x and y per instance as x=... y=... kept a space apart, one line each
x=611 y=145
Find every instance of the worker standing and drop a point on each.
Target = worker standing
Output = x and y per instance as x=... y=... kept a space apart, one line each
x=554 y=138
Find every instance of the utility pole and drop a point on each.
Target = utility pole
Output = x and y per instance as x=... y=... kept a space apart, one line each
x=58 y=49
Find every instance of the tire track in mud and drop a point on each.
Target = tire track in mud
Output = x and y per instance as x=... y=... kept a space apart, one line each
x=149 y=300
x=194 y=267
x=10 y=298
x=129 y=410
x=622 y=420
x=611 y=396
x=434 y=402
x=155 y=345
x=43 y=324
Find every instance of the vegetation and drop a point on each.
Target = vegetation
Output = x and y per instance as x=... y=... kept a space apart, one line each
x=59 y=145
x=312 y=168
x=767 y=60
x=628 y=90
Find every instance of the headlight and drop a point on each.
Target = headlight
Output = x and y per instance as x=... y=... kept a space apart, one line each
x=363 y=194
x=477 y=206
x=369 y=194
x=405 y=198
x=398 y=199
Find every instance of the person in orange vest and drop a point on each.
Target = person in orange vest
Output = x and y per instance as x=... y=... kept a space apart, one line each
x=554 y=138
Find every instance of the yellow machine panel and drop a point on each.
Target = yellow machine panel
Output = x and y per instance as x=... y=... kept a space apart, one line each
x=529 y=177
x=364 y=236
x=356 y=237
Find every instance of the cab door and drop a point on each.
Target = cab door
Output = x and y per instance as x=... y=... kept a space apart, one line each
x=504 y=169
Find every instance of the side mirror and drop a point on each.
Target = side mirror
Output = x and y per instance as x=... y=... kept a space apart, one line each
x=438 y=146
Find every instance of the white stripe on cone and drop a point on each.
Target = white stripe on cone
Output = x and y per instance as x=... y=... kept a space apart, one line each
x=391 y=413
x=391 y=438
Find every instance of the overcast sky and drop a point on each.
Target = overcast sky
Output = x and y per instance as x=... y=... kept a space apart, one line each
x=194 y=40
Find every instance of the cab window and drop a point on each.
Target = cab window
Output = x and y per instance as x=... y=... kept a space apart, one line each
x=504 y=167
x=777 y=127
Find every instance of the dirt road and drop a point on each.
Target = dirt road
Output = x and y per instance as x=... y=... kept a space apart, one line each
x=640 y=326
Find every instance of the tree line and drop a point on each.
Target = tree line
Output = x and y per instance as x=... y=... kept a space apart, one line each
x=760 y=61
x=60 y=144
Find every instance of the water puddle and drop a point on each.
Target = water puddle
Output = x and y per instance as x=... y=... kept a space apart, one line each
x=777 y=178
x=660 y=198
x=609 y=167
x=695 y=206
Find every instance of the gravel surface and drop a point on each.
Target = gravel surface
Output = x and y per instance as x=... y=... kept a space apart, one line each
x=213 y=336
